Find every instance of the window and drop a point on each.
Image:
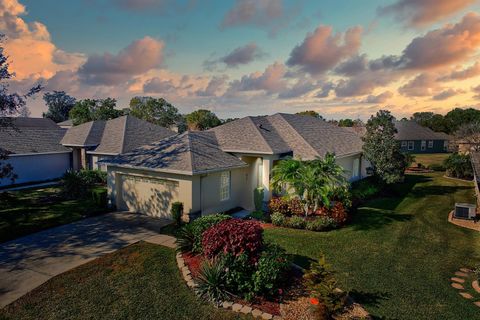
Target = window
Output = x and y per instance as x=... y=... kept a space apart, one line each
x=411 y=144
x=445 y=145
x=225 y=186
x=423 y=145
x=430 y=144
x=404 y=144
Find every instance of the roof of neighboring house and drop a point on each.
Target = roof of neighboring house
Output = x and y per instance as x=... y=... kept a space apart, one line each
x=411 y=130
x=359 y=130
x=66 y=123
x=475 y=158
x=32 y=135
x=186 y=153
x=119 y=135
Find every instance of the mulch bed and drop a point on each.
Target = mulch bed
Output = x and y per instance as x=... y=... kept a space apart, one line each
x=293 y=289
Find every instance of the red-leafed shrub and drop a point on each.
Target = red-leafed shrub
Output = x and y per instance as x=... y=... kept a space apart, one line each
x=338 y=213
x=233 y=236
x=286 y=206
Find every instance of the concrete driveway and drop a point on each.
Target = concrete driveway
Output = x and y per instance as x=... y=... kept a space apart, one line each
x=27 y=262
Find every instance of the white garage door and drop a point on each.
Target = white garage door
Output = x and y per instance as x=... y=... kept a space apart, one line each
x=145 y=195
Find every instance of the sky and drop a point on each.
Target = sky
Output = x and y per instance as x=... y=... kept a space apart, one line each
x=341 y=58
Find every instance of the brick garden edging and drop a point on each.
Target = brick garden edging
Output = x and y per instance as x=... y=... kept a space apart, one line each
x=235 y=307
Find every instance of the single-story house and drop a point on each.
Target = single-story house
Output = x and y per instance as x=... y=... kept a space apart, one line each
x=34 y=148
x=219 y=169
x=415 y=138
x=67 y=124
x=98 y=140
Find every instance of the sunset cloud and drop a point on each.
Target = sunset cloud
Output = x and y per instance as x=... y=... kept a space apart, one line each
x=448 y=93
x=111 y=69
x=271 y=80
x=425 y=84
x=380 y=98
x=419 y=13
x=469 y=72
x=322 y=50
x=237 y=57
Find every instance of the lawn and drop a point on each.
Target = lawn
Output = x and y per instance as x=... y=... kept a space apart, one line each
x=398 y=254
x=428 y=159
x=31 y=210
x=141 y=281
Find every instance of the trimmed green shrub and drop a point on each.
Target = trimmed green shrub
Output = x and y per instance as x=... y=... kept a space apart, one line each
x=211 y=282
x=200 y=225
x=258 y=199
x=177 y=212
x=296 y=222
x=271 y=269
x=258 y=215
x=365 y=189
x=76 y=184
x=459 y=166
x=99 y=196
x=321 y=224
x=278 y=219
x=185 y=238
x=238 y=274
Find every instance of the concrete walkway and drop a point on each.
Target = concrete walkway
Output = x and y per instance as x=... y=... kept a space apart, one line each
x=27 y=262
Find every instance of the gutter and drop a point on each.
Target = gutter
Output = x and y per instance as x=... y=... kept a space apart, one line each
x=181 y=172
x=36 y=153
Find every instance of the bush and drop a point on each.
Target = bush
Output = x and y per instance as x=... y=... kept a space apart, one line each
x=458 y=166
x=278 y=219
x=296 y=222
x=100 y=197
x=185 y=238
x=321 y=224
x=233 y=236
x=365 y=189
x=258 y=199
x=238 y=274
x=211 y=282
x=203 y=223
x=271 y=268
x=320 y=282
x=338 y=213
x=258 y=215
x=436 y=167
x=286 y=206
x=76 y=184
x=177 y=212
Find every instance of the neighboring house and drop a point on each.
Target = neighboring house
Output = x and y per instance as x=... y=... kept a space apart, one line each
x=475 y=158
x=34 y=150
x=67 y=124
x=217 y=170
x=415 y=138
x=99 y=140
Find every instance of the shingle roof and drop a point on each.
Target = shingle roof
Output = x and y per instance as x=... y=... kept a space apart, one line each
x=66 y=123
x=115 y=136
x=305 y=136
x=187 y=153
x=411 y=130
x=32 y=135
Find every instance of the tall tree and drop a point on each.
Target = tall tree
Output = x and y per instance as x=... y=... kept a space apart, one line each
x=469 y=133
x=455 y=118
x=158 y=111
x=311 y=113
x=345 y=123
x=94 y=109
x=10 y=105
x=59 y=105
x=381 y=148
x=202 y=119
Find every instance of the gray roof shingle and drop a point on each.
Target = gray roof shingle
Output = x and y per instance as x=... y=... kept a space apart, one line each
x=32 y=135
x=119 y=135
x=187 y=153
x=411 y=130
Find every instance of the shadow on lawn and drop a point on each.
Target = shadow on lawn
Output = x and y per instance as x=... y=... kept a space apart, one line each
x=372 y=218
x=371 y=299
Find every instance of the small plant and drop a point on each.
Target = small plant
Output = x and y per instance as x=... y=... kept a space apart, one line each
x=100 y=197
x=271 y=269
x=238 y=274
x=76 y=184
x=233 y=236
x=203 y=223
x=322 y=285
x=212 y=285
x=321 y=224
x=258 y=215
x=338 y=213
x=258 y=198
x=278 y=219
x=177 y=212
x=459 y=166
x=185 y=238
x=436 y=167
x=296 y=222
x=279 y=205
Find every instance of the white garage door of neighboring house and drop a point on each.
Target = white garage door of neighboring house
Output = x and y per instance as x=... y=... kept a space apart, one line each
x=145 y=195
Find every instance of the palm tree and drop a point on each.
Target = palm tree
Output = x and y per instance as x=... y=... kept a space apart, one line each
x=314 y=182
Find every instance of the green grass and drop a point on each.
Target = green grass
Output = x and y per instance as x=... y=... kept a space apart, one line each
x=399 y=252
x=31 y=210
x=141 y=281
x=428 y=159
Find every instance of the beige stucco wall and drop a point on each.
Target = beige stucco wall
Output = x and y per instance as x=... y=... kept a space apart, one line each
x=95 y=158
x=184 y=193
x=347 y=164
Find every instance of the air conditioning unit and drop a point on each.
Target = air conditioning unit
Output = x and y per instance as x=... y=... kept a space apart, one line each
x=465 y=211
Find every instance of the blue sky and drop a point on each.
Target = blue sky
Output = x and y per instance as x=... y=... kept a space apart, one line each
x=91 y=34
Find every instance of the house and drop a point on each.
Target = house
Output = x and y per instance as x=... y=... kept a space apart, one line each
x=67 y=124
x=34 y=148
x=415 y=138
x=97 y=140
x=219 y=169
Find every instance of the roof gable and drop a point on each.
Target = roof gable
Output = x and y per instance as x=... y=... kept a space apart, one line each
x=411 y=130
